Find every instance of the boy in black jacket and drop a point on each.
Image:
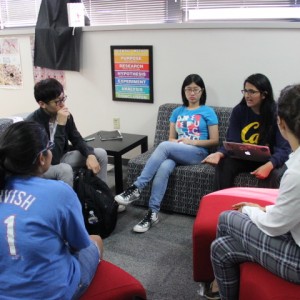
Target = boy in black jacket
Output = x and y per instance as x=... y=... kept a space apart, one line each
x=55 y=117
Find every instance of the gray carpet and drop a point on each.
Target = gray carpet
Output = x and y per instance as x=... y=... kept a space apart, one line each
x=161 y=258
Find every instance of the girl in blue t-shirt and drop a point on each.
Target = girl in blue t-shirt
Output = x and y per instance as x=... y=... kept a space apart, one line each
x=46 y=252
x=193 y=129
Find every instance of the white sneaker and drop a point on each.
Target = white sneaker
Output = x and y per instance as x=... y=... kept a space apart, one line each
x=121 y=208
x=150 y=219
x=128 y=196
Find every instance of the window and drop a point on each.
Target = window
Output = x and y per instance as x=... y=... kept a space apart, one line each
x=195 y=10
x=18 y=13
x=22 y=13
x=119 y=12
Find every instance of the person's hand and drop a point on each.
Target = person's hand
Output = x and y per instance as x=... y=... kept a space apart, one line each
x=93 y=164
x=173 y=140
x=62 y=116
x=263 y=171
x=239 y=206
x=213 y=158
x=186 y=141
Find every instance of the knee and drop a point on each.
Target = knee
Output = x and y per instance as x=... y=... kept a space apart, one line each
x=65 y=174
x=219 y=249
x=223 y=216
x=163 y=144
x=99 y=242
x=214 y=248
x=101 y=155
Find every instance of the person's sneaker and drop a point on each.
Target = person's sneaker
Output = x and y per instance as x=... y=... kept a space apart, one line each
x=128 y=196
x=121 y=208
x=150 y=219
x=209 y=294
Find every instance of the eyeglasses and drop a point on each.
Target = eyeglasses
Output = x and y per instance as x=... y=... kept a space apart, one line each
x=249 y=92
x=49 y=146
x=193 y=90
x=60 y=101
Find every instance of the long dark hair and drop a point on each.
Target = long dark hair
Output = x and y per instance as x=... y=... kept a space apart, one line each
x=289 y=108
x=20 y=144
x=267 y=107
x=193 y=78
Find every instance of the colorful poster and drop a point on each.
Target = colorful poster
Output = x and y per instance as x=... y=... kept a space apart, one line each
x=10 y=64
x=132 y=74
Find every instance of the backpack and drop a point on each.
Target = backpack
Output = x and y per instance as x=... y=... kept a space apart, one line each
x=99 y=208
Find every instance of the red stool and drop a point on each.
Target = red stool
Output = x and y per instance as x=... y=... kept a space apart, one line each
x=258 y=283
x=205 y=225
x=255 y=281
x=113 y=283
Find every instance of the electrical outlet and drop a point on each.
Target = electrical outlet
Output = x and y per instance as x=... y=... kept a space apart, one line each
x=116 y=122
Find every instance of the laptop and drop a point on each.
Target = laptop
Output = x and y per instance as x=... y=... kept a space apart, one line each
x=248 y=151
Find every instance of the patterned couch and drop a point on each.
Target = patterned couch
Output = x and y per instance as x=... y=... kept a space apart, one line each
x=4 y=123
x=187 y=184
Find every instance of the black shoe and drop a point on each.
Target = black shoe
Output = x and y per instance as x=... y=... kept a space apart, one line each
x=212 y=295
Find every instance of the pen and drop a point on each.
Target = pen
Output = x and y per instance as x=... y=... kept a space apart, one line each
x=89 y=139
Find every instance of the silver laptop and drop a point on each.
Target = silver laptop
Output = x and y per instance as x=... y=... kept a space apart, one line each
x=248 y=151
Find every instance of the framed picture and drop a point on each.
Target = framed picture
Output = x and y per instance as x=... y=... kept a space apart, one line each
x=132 y=73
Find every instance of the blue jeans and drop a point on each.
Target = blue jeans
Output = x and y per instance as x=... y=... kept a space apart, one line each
x=89 y=258
x=161 y=164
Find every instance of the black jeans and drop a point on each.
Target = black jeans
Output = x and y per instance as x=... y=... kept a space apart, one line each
x=228 y=168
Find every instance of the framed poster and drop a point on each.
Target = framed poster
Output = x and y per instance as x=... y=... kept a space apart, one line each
x=132 y=73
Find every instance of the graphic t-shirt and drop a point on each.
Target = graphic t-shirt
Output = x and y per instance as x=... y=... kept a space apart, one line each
x=36 y=229
x=193 y=123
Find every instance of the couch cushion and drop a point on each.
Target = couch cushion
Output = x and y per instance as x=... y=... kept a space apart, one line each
x=4 y=123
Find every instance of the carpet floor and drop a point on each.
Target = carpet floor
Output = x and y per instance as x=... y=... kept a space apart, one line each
x=161 y=258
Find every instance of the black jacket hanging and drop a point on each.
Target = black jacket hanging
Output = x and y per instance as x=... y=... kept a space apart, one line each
x=57 y=46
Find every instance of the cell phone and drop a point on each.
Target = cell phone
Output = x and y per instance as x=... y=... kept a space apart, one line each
x=89 y=139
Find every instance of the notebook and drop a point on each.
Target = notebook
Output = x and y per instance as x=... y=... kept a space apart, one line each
x=248 y=151
x=110 y=135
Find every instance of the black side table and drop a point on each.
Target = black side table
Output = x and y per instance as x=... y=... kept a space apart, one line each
x=117 y=148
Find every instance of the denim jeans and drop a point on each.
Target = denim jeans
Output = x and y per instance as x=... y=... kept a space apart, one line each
x=89 y=258
x=161 y=164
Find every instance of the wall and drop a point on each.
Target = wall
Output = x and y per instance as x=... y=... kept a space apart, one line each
x=224 y=57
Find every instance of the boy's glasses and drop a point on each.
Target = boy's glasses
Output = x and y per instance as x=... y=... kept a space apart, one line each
x=49 y=146
x=60 y=101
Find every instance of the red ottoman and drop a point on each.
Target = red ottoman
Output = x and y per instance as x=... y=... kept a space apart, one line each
x=204 y=230
x=258 y=283
x=113 y=283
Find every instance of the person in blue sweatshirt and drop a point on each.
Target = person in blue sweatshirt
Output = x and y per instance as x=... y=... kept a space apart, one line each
x=46 y=252
x=253 y=121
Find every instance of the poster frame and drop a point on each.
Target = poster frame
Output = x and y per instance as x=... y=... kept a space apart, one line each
x=119 y=84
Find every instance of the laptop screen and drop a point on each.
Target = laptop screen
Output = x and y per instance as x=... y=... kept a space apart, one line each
x=248 y=151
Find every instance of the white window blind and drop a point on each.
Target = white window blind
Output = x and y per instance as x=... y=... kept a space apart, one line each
x=120 y=12
x=236 y=3
x=194 y=10
x=22 y=13
x=19 y=13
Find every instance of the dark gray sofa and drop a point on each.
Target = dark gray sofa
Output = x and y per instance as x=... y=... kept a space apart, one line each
x=187 y=184
x=4 y=123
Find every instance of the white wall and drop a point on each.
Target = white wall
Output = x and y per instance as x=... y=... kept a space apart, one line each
x=224 y=57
